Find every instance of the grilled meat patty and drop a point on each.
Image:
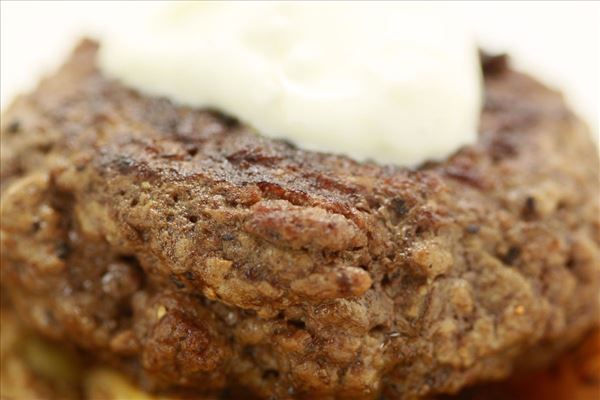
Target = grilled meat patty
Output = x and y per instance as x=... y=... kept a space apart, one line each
x=186 y=249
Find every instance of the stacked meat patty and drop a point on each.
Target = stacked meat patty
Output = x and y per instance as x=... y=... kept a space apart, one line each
x=185 y=249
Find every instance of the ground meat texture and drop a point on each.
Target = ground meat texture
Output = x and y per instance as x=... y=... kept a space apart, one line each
x=189 y=251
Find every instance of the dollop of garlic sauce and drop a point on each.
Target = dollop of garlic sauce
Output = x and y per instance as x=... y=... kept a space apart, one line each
x=393 y=82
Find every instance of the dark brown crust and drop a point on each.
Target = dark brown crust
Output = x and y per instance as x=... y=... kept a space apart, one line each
x=182 y=245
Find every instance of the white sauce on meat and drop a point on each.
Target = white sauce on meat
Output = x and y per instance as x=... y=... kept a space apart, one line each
x=394 y=82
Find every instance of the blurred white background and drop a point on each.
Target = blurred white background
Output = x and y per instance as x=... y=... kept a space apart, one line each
x=558 y=42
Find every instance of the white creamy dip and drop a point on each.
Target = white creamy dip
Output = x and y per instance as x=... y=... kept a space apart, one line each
x=393 y=82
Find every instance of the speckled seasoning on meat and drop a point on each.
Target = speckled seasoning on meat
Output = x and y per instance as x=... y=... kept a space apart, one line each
x=194 y=254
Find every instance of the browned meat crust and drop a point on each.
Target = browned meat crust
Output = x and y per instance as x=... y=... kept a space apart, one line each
x=183 y=247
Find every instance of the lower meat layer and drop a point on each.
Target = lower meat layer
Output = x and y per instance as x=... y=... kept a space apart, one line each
x=31 y=367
